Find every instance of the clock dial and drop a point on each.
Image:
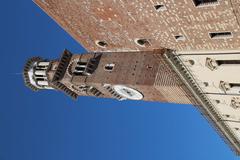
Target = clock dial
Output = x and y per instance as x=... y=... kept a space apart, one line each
x=128 y=93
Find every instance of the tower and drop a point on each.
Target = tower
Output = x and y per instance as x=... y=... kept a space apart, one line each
x=144 y=75
x=159 y=75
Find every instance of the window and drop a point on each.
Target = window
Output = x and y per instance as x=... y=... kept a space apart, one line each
x=203 y=3
x=220 y=35
x=86 y=67
x=80 y=68
x=109 y=67
x=180 y=38
x=160 y=7
x=102 y=44
x=142 y=42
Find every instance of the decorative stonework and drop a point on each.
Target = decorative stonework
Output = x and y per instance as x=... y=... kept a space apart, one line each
x=206 y=107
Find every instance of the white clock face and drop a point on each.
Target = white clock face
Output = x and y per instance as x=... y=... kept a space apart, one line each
x=127 y=92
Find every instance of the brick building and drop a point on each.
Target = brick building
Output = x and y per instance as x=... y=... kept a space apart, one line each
x=183 y=25
x=184 y=51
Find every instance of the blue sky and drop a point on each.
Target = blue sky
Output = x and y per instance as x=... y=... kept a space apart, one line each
x=48 y=125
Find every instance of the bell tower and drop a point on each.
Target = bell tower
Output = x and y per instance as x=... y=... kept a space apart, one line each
x=35 y=74
x=143 y=75
x=158 y=75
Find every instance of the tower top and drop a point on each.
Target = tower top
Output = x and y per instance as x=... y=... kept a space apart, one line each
x=35 y=74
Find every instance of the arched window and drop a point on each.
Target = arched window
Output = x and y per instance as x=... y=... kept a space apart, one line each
x=86 y=67
x=109 y=67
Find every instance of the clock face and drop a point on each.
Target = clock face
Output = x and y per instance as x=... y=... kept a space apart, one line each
x=127 y=92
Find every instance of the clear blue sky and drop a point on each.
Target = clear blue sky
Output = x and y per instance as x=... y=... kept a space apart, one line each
x=50 y=126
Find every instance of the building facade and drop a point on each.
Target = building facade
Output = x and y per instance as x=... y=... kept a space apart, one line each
x=124 y=25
